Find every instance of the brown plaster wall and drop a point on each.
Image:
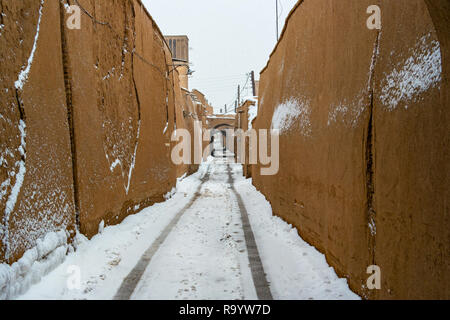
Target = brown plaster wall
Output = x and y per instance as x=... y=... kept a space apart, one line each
x=41 y=154
x=99 y=107
x=364 y=166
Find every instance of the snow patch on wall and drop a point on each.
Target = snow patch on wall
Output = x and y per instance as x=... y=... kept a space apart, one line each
x=290 y=112
x=372 y=227
x=118 y=163
x=2 y=26
x=421 y=71
x=175 y=189
x=23 y=76
x=101 y=227
x=15 y=191
x=133 y=162
x=20 y=168
x=3 y=187
x=348 y=112
x=375 y=54
x=110 y=74
x=281 y=69
x=252 y=114
x=49 y=252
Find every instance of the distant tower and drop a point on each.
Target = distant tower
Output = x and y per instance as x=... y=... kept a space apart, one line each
x=179 y=46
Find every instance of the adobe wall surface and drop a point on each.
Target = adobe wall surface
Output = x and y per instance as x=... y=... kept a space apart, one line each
x=123 y=111
x=242 y=123
x=222 y=122
x=364 y=141
x=36 y=179
x=192 y=123
x=87 y=137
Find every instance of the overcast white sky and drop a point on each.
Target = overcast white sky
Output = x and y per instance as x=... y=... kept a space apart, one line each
x=228 y=38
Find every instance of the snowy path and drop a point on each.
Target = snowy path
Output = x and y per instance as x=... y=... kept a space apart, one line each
x=193 y=246
x=205 y=254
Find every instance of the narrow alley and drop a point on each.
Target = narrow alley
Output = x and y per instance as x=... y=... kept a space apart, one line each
x=199 y=248
x=224 y=150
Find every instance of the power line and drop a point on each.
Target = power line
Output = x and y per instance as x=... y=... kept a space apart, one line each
x=216 y=85
x=221 y=77
x=276 y=1
x=237 y=94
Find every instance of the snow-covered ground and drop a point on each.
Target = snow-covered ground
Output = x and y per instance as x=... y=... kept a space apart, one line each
x=295 y=269
x=204 y=255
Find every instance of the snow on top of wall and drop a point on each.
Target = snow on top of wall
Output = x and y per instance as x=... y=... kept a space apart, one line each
x=250 y=98
x=252 y=110
x=49 y=252
x=421 y=71
x=290 y=112
x=23 y=75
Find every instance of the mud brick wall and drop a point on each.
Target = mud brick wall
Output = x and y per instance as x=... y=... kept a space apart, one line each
x=36 y=180
x=123 y=106
x=186 y=119
x=192 y=124
x=364 y=118
x=85 y=118
x=242 y=123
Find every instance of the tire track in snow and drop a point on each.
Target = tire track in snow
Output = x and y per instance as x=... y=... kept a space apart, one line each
x=259 y=277
x=130 y=283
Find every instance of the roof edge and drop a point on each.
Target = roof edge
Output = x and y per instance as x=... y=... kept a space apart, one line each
x=291 y=13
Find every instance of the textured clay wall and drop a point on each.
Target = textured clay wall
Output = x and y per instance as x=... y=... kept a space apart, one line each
x=187 y=119
x=191 y=123
x=364 y=119
x=123 y=108
x=181 y=122
x=36 y=187
x=85 y=118
x=242 y=123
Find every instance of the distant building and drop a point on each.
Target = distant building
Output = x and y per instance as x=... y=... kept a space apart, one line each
x=179 y=46
x=208 y=109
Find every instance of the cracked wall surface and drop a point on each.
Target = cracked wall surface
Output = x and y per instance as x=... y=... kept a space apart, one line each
x=123 y=100
x=365 y=154
x=86 y=118
x=36 y=193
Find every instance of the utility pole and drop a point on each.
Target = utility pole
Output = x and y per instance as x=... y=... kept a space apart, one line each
x=225 y=108
x=235 y=106
x=239 y=94
x=253 y=83
x=277 y=19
